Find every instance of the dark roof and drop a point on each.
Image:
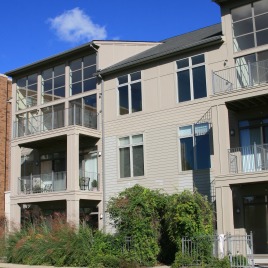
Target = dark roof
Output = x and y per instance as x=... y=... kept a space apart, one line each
x=169 y=47
x=54 y=58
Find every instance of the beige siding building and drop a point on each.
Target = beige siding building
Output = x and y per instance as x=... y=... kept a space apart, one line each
x=56 y=147
x=192 y=113
x=189 y=112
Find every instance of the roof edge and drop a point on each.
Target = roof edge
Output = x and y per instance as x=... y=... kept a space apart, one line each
x=209 y=41
x=53 y=58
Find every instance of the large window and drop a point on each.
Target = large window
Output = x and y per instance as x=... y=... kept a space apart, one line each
x=129 y=92
x=194 y=146
x=53 y=84
x=131 y=156
x=81 y=75
x=191 y=74
x=26 y=92
x=250 y=25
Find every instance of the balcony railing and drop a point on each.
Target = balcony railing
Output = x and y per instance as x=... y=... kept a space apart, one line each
x=241 y=76
x=248 y=159
x=42 y=183
x=88 y=181
x=53 y=120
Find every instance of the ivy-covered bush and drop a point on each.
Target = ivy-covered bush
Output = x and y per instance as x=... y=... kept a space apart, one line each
x=136 y=213
x=188 y=215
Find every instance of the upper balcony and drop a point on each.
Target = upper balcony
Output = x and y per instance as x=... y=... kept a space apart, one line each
x=251 y=158
x=240 y=77
x=36 y=124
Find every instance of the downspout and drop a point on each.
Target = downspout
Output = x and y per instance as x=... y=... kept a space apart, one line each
x=103 y=152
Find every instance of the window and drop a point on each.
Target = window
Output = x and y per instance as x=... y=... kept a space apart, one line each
x=83 y=111
x=131 y=156
x=53 y=84
x=129 y=92
x=191 y=74
x=250 y=25
x=81 y=75
x=26 y=92
x=194 y=146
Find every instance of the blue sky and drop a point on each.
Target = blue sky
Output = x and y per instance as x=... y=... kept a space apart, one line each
x=34 y=29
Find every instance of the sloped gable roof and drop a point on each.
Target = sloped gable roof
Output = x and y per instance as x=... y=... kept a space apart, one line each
x=170 y=46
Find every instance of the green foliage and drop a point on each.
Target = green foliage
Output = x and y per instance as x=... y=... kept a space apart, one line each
x=153 y=221
x=239 y=260
x=137 y=212
x=2 y=237
x=187 y=261
x=188 y=215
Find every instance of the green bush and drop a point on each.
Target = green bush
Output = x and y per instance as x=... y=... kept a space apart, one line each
x=2 y=237
x=137 y=212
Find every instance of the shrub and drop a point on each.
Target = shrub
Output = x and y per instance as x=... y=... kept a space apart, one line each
x=2 y=237
x=188 y=215
x=136 y=212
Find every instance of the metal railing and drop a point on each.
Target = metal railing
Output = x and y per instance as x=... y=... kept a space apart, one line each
x=53 y=120
x=238 y=249
x=88 y=181
x=248 y=159
x=241 y=76
x=42 y=183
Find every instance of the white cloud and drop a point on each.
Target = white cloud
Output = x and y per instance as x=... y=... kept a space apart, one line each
x=76 y=26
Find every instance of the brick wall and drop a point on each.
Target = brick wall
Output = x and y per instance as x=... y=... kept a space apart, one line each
x=5 y=136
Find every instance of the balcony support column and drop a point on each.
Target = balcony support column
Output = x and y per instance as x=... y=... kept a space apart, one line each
x=224 y=203
x=221 y=139
x=73 y=162
x=73 y=211
x=15 y=169
x=15 y=217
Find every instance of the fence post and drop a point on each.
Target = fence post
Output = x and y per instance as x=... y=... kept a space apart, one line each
x=251 y=249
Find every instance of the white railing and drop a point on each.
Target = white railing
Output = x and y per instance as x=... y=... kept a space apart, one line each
x=53 y=120
x=248 y=159
x=42 y=183
x=241 y=76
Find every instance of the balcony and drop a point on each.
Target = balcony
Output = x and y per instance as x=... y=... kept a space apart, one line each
x=55 y=182
x=240 y=77
x=252 y=158
x=42 y=183
x=36 y=124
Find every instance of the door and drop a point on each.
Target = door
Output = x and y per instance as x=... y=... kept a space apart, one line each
x=255 y=209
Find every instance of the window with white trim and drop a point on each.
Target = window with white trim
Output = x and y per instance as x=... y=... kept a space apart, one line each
x=131 y=159
x=194 y=146
x=129 y=93
x=250 y=25
x=191 y=75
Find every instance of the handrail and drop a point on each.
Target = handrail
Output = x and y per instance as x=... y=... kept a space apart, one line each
x=56 y=119
x=240 y=76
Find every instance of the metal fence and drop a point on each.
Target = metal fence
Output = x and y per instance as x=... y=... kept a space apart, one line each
x=248 y=158
x=238 y=249
x=241 y=76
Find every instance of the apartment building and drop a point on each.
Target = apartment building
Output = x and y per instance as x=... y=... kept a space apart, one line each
x=189 y=112
x=56 y=147
x=5 y=128
x=192 y=112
